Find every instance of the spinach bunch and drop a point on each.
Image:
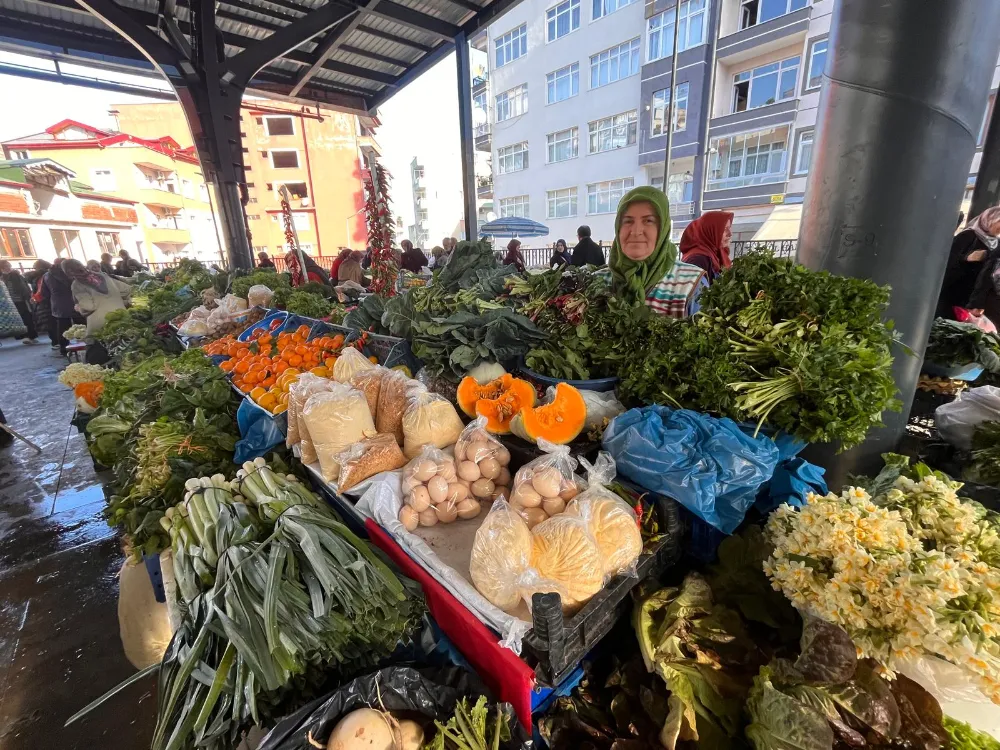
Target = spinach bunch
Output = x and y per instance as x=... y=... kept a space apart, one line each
x=954 y=344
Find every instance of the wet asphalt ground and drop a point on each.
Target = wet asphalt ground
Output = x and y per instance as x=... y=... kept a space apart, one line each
x=59 y=563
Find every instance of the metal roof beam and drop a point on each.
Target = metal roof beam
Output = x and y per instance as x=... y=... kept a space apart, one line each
x=428 y=61
x=467 y=4
x=393 y=38
x=134 y=30
x=422 y=22
x=375 y=56
x=334 y=38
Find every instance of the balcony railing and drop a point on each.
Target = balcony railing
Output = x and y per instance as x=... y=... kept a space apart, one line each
x=480 y=80
x=781 y=248
x=482 y=130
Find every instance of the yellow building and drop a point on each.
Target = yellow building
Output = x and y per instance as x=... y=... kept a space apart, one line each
x=318 y=155
x=160 y=176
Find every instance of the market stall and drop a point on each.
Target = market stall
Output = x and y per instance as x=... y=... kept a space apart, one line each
x=600 y=516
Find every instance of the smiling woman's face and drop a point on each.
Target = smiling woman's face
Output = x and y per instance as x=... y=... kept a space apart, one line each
x=639 y=230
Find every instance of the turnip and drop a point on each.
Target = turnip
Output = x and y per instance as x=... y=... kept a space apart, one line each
x=370 y=729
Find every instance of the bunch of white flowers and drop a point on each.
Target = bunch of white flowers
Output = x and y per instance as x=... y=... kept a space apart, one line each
x=865 y=567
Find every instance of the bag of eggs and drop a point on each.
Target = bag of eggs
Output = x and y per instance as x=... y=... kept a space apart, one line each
x=542 y=487
x=432 y=493
x=482 y=462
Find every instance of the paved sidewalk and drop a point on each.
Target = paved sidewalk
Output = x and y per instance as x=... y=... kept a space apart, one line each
x=59 y=562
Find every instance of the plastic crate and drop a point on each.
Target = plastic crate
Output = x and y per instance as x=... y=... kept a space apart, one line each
x=155 y=576
x=266 y=323
x=559 y=643
x=391 y=351
x=601 y=385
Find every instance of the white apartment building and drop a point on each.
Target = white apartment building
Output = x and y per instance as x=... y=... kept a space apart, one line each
x=438 y=207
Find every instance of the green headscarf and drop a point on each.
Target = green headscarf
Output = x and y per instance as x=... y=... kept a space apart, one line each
x=632 y=279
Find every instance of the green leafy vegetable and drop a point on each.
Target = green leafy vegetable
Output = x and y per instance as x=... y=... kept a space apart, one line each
x=780 y=722
x=953 y=344
x=961 y=736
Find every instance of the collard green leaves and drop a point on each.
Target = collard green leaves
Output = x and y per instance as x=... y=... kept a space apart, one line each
x=780 y=722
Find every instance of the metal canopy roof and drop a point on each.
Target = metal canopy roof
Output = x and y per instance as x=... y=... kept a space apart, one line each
x=364 y=50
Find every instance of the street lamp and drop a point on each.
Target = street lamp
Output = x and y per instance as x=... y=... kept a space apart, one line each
x=347 y=225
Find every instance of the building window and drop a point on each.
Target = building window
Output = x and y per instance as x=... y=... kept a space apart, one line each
x=300 y=220
x=613 y=132
x=480 y=101
x=109 y=242
x=251 y=200
x=753 y=12
x=803 y=153
x=512 y=103
x=515 y=206
x=187 y=189
x=103 y=180
x=418 y=172
x=661 y=100
x=67 y=244
x=279 y=125
x=561 y=204
x=284 y=158
x=758 y=158
x=660 y=27
x=19 y=154
x=16 y=243
x=604 y=7
x=512 y=45
x=562 y=84
x=562 y=145
x=260 y=248
x=603 y=197
x=765 y=85
x=614 y=64
x=296 y=190
x=562 y=20
x=512 y=158
x=817 y=64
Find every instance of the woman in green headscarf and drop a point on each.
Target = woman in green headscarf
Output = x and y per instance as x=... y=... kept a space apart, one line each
x=643 y=263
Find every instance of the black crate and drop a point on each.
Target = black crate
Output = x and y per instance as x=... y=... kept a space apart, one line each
x=559 y=643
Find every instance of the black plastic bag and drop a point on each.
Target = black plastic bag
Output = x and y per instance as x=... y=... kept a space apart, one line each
x=431 y=693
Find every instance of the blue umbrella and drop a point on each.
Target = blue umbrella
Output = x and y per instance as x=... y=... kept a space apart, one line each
x=513 y=226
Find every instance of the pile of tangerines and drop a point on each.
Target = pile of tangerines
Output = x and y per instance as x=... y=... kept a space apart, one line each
x=266 y=366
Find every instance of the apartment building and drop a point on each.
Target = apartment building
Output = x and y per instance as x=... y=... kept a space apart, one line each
x=46 y=213
x=160 y=178
x=318 y=155
x=438 y=207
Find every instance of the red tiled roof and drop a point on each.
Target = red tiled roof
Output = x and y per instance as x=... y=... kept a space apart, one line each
x=102 y=139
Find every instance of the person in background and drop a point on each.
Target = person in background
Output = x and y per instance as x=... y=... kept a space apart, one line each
x=350 y=269
x=560 y=255
x=587 y=252
x=106 y=265
x=643 y=263
x=413 y=257
x=436 y=255
x=313 y=270
x=95 y=266
x=57 y=290
x=335 y=266
x=513 y=256
x=128 y=265
x=263 y=261
x=705 y=243
x=978 y=244
x=43 y=310
x=96 y=294
x=20 y=295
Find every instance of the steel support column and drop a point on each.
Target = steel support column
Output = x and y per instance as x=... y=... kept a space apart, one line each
x=896 y=132
x=467 y=139
x=987 y=192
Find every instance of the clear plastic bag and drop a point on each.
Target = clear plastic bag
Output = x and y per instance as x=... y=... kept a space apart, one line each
x=193 y=327
x=602 y=407
x=392 y=404
x=335 y=419
x=432 y=491
x=429 y=419
x=367 y=458
x=957 y=420
x=199 y=313
x=482 y=462
x=611 y=521
x=369 y=382
x=259 y=296
x=298 y=393
x=542 y=487
x=565 y=559
x=501 y=556
x=350 y=363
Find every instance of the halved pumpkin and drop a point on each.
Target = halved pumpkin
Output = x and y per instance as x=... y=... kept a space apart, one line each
x=501 y=410
x=559 y=422
x=470 y=391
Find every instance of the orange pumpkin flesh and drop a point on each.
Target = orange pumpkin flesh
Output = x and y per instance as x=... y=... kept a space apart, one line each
x=469 y=392
x=559 y=422
x=501 y=410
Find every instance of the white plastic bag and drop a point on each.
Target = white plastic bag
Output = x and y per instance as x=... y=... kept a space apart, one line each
x=482 y=462
x=602 y=407
x=429 y=419
x=566 y=560
x=542 y=487
x=956 y=421
x=501 y=556
x=350 y=363
x=230 y=307
x=193 y=327
x=259 y=296
x=336 y=419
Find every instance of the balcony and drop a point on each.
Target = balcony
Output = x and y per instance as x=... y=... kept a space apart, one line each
x=155 y=196
x=480 y=81
x=484 y=187
x=763 y=37
x=368 y=144
x=758 y=118
x=168 y=235
x=484 y=138
x=681 y=210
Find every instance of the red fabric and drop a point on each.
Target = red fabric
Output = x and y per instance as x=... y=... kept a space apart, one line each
x=509 y=678
x=703 y=237
x=334 y=268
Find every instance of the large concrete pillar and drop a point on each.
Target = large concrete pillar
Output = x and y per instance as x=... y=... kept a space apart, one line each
x=898 y=119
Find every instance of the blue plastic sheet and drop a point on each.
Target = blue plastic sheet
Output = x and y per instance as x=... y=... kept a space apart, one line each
x=709 y=465
x=793 y=480
x=259 y=430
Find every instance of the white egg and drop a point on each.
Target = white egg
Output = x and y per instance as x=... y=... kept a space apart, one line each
x=446 y=512
x=547 y=481
x=553 y=505
x=437 y=488
x=569 y=491
x=503 y=456
x=533 y=516
x=428 y=517
x=420 y=499
x=424 y=469
x=409 y=483
x=525 y=496
x=482 y=487
x=469 y=471
x=457 y=492
x=409 y=518
x=468 y=508
x=447 y=471
x=490 y=468
x=504 y=476
x=460 y=450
